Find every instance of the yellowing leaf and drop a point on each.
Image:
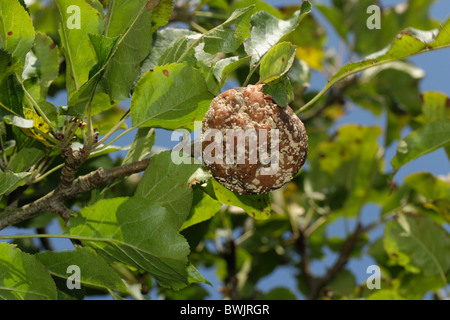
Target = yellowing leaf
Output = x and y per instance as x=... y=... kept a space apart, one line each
x=38 y=123
x=312 y=56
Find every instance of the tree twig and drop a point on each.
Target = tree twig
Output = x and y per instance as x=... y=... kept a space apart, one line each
x=314 y=284
x=301 y=245
x=68 y=189
x=231 y=280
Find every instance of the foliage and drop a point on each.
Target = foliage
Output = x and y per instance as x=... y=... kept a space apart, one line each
x=165 y=62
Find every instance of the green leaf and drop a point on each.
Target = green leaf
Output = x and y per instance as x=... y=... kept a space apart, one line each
x=131 y=20
x=46 y=53
x=225 y=67
x=170 y=97
x=75 y=43
x=203 y=208
x=385 y=294
x=351 y=163
x=277 y=62
x=104 y=121
x=29 y=155
x=141 y=146
x=136 y=232
x=9 y=181
x=95 y=272
x=408 y=43
x=101 y=149
x=256 y=206
x=8 y=65
x=16 y=29
x=194 y=275
x=176 y=52
x=30 y=66
x=436 y=192
x=394 y=85
x=23 y=277
x=418 y=244
x=428 y=185
x=435 y=106
x=161 y=14
x=229 y=35
x=11 y=92
x=414 y=286
x=343 y=284
x=259 y=6
x=424 y=140
x=280 y=90
x=166 y=183
x=163 y=39
x=105 y=48
x=279 y=293
x=350 y=21
x=268 y=30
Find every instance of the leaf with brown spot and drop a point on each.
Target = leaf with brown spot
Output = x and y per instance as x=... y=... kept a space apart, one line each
x=170 y=102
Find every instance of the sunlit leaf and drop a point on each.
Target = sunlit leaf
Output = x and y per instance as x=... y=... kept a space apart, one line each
x=279 y=293
x=161 y=14
x=408 y=43
x=435 y=190
x=176 y=51
x=259 y=6
x=138 y=233
x=9 y=181
x=203 y=208
x=131 y=20
x=256 y=206
x=166 y=183
x=280 y=90
x=29 y=155
x=268 y=30
x=11 y=92
x=418 y=244
x=141 y=146
x=170 y=97
x=105 y=48
x=424 y=140
x=23 y=277
x=75 y=43
x=46 y=53
x=225 y=67
x=94 y=270
x=435 y=106
x=163 y=40
x=385 y=294
x=16 y=29
x=223 y=38
x=277 y=61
